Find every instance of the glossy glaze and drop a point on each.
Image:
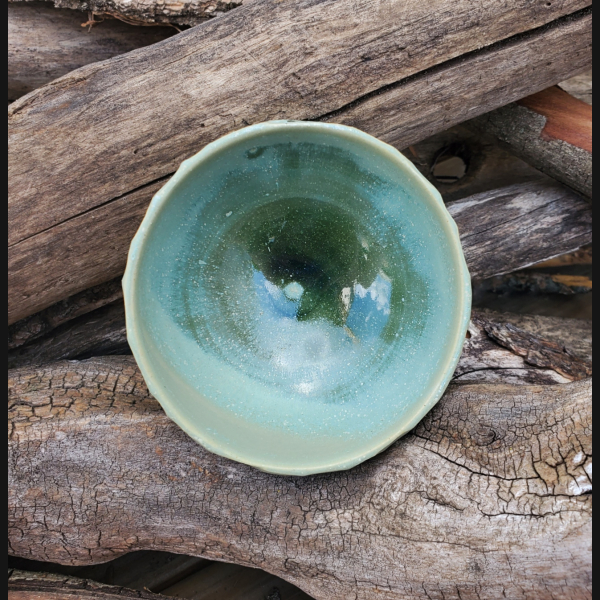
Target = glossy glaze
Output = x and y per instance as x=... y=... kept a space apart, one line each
x=297 y=296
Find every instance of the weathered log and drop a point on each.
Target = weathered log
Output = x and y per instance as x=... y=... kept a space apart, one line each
x=557 y=221
x=99 y=333
x=491 y=226
x=151 y=12
x=109 y=135
x=488 y=498
x=537 y=351
x=61 y=313
x=23 y=585
x=492 y=351
x=45 y=43
x=550 y=130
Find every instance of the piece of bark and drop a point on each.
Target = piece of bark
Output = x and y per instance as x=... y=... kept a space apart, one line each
x=45 y=43
x=485 y=359
x=150 y=12
x=144 y=570
x=556 y=221
x=23 y=585
x=488 y=498
x=574 y=334
x=538 y=352
x=552 y=131
x=109 y=135
x=101 y=332
x=61 y=313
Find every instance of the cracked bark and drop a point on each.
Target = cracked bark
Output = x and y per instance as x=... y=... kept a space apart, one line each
x=107 y=136
x=150 y=12
x=550 y=130
x=45 y=586
x=489 y=497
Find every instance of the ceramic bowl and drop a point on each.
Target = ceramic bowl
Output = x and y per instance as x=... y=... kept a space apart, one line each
x=297 y=296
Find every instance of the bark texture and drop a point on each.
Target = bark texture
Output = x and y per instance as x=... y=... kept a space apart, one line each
x=45 y=44
x=150 y=12
x=108 y=136
x=552 y=131
x=489 y=497
x=45 y=586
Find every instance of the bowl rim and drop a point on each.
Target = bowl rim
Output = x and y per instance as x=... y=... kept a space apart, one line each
x=160 y=201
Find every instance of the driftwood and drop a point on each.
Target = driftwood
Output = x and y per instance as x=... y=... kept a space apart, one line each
x=150 y=12
x=97 y=334
x=557 y=221
x=489 y=497
x=45 y=586
x=109 y=135
x=552 y=131
x=45 y=43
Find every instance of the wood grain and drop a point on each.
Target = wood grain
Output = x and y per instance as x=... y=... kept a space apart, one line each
x=150 y=12
x=111 y=133
x=45 y=586
x=45 y=43
x=520 y=225
x=552 y=131
x=489 y=497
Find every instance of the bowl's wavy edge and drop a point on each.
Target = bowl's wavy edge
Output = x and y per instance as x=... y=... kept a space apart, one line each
x=156 y=206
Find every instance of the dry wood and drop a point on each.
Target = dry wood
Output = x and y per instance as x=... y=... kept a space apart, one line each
x=556 y=221
x=143 y=570
x=151 y=12
x=107 y=136
x=488 y=498
x=99 y=333
x=45 y=586
x=45 y=43
x=552 y=131
x=61 y=313
x=537 y=351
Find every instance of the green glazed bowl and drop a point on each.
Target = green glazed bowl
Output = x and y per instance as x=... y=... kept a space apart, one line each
x=297 y=296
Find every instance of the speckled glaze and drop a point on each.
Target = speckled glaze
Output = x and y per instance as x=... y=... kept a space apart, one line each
x=297 y=296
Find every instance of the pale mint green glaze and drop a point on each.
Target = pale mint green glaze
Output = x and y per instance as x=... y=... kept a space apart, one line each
x=297 y=297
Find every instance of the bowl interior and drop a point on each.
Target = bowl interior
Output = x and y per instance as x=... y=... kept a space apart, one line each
x=297 y=297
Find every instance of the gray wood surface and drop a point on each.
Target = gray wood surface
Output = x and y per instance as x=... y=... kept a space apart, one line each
x=24 y=585
x=45 y=43
x=489 y=497
x=88 y=151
